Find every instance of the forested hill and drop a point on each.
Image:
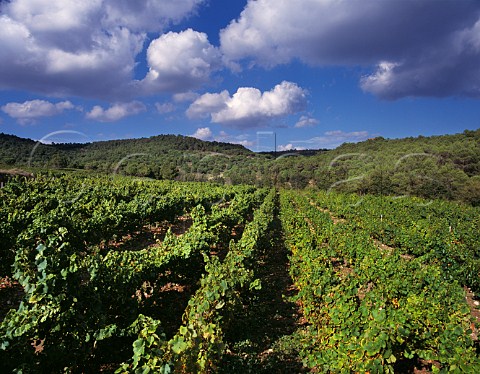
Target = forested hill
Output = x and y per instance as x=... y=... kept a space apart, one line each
x=16 y=150
x=160 y=157
x=445 y=166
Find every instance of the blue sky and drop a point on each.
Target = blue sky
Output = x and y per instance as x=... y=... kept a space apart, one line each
x=315 y=72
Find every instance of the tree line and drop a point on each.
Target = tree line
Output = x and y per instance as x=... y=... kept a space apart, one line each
x=431 y=167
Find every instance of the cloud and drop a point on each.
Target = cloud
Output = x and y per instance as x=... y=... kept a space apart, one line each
x=332 y=139
x=245 y=143
x=116 y=111
x=452 y=70
x=431 y=48
x=286 y=147
x=289 y=147
x=147 y=15
x=306 y=121
x=203 y=133
x=188 y=96
x=249 y=107
x=242 y=139
x=29 y=111
x=164 y=108
x=80 y=48
x=180 y=62
x=207 y=104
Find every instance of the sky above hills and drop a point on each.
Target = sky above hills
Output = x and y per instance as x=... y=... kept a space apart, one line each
x=316 y=73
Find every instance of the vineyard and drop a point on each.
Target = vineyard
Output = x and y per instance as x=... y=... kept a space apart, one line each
x=119 y=275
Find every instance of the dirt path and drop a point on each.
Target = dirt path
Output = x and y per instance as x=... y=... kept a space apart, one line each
x=378 y=243
x=334 y=218
x=255 y=340
x=473 y=302
x=151 y=235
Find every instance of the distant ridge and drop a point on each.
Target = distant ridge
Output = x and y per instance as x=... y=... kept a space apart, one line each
x=446 y=166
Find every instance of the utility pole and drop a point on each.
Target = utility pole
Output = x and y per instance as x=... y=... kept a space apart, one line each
x=275 y=149
x=275 y=168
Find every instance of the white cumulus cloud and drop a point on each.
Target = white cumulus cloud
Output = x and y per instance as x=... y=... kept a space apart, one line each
x=242 y=139
x=285 y=147
x=29 y=111
x=249 y=107
x=148 y=15
x=80 y=48
x=438 y=57
x=203 y=133
x=188 y=96
x=164 y=108
x=306 y=121
x=453 y=69
x=207 y=104
x=116 y=111
x=180 y=62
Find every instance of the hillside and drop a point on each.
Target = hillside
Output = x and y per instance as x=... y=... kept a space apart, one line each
x=159 y=157
x=445 y=166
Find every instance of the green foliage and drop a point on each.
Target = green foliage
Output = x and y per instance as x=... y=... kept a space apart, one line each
x=370 y=307
x=430 y=167
x=198 y=344
x=78 y=291
x=379 y=278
